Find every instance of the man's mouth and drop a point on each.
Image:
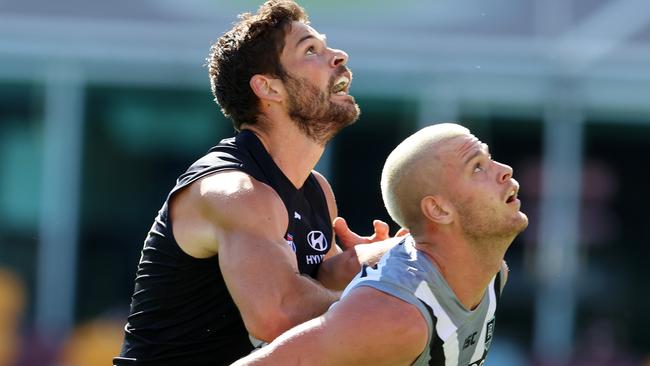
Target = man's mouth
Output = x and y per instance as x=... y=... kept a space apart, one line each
x=341 y=85
x=512 y=195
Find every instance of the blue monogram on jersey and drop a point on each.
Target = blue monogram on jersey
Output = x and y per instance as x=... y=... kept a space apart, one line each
x=289 y=239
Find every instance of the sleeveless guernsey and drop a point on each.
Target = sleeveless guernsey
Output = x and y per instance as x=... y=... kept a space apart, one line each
x=457 y=337
x=181 y=311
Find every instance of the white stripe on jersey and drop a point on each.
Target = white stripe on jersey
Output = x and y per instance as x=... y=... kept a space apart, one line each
x=480 y=347
x=444 y=326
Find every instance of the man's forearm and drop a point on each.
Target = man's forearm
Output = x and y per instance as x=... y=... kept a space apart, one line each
x=371 y=253
x=307 y=299
x=336 y=272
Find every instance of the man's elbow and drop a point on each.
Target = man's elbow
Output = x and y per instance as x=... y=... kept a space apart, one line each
x=268 y=326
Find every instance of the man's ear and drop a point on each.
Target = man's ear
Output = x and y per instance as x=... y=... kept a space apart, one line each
x=267 y=88
x=436 y=209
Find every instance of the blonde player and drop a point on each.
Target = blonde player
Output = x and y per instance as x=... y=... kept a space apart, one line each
x=431 y=300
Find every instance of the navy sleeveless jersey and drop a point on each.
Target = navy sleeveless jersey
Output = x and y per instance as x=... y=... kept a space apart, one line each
x=181 y=311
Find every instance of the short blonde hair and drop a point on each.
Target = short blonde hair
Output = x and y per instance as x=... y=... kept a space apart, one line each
x=407 y=174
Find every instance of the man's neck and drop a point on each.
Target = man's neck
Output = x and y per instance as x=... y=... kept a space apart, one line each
x=468 y=271
x=292 y=151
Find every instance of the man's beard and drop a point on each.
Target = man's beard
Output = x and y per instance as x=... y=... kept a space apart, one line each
x=486 y=225
x=313 y=111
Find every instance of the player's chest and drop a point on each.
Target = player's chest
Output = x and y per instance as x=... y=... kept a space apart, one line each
x=309 y=235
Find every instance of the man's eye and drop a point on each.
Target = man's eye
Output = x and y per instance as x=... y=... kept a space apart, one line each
x=310 y=51
x=478 y=168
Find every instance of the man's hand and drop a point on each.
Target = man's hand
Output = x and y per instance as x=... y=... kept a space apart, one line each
x=348 y=239
x=337 y=271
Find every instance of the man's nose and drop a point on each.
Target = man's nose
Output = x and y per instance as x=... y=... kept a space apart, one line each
x=505 y=173
x=339 y=58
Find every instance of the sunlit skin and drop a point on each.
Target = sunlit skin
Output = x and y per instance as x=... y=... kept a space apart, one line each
x=481 y=190
x=310 y=63
x=482 y=217
x=317 y=85
x=306 y=55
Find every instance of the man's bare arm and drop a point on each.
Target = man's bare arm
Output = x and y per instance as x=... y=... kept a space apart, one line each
x=243 y=221
x=368 y=327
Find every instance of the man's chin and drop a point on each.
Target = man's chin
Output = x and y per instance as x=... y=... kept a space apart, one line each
x=524 y=221
x=341 y=124
x=344 y=112
x=520 y=224
x=353 y=116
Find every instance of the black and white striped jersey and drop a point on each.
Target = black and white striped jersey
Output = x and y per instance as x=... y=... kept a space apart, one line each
x=457 y=336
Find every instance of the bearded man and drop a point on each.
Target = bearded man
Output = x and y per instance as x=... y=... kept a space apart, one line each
x=242 y=249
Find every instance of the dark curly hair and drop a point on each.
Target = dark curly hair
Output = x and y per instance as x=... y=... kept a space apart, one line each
x=252 y=46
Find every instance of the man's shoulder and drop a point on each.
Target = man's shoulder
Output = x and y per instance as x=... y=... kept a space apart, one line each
x=234 y=153
x=232 y=192
x=406 y=266
x=398 y=274
x=226 y=202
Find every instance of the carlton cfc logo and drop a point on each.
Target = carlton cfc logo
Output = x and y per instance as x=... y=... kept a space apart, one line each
x=316 y=240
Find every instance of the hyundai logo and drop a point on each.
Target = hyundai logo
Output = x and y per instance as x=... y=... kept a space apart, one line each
x=316 y=240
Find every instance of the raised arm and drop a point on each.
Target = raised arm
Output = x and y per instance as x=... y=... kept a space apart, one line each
x=244 y=221
x=367 y=327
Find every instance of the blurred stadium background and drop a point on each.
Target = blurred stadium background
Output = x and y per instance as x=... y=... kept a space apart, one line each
x=104 y=104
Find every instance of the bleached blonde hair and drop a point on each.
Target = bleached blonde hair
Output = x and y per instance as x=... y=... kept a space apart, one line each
x=410 y=172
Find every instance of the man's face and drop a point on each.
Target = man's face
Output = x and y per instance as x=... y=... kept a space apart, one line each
x=317 y=84
x=482 y=191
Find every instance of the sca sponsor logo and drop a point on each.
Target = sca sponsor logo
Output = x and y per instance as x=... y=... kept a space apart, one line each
x=489 y=332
